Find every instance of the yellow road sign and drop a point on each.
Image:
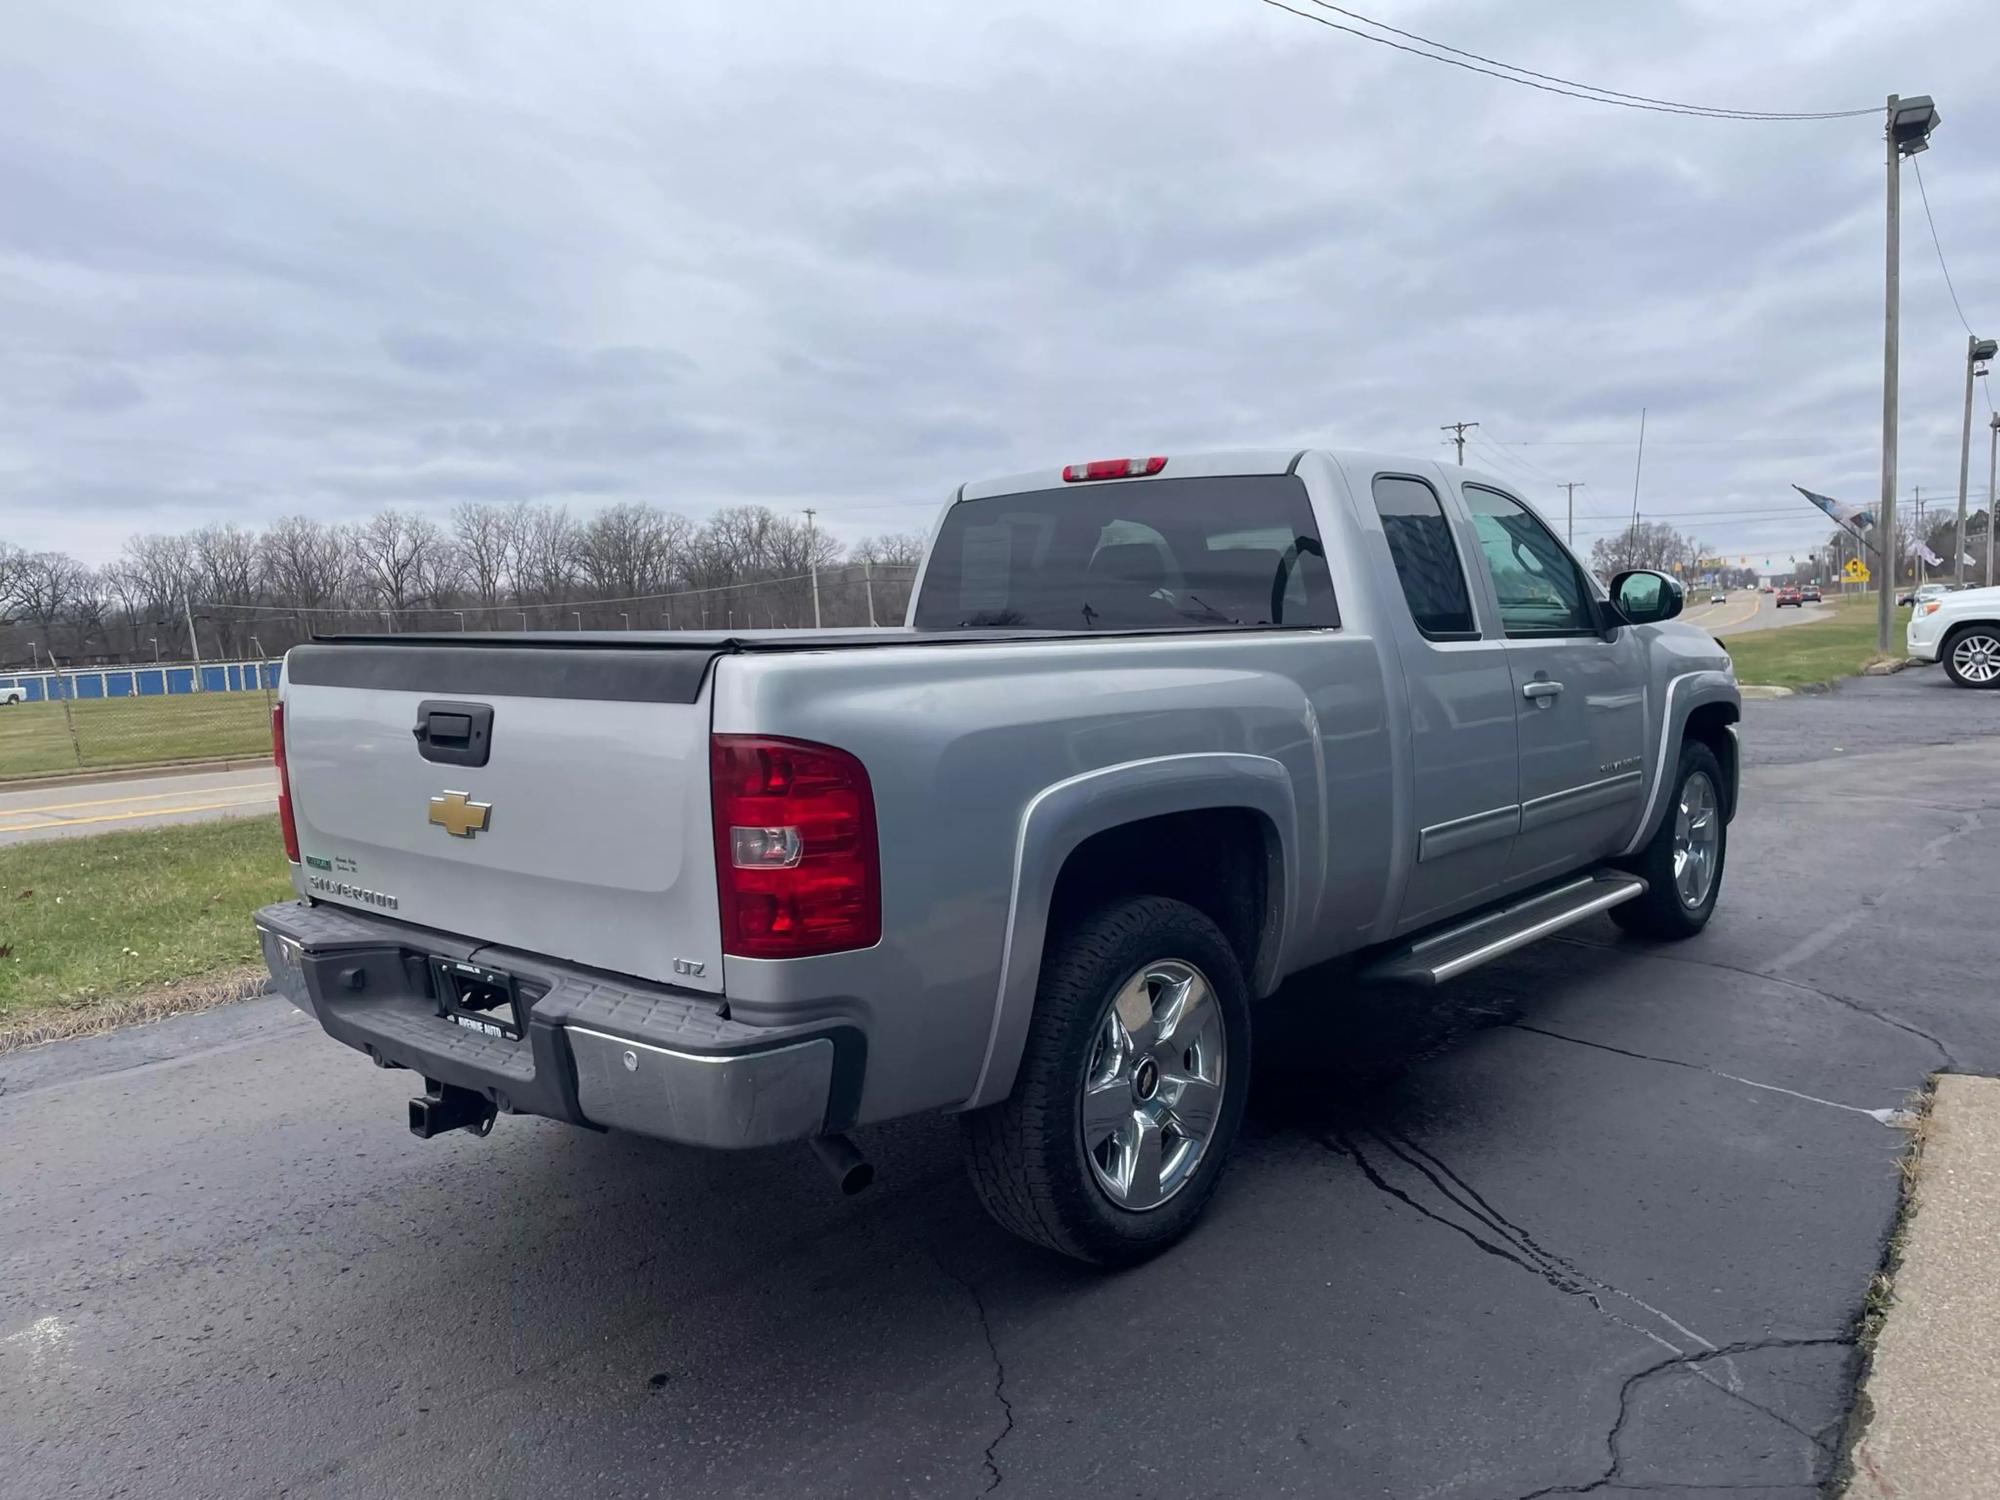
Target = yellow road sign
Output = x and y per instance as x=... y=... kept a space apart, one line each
x=1856 y=570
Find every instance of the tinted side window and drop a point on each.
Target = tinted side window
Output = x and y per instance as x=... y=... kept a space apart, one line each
x=1541 y=589
x=1425 y=556
x=1139 y=555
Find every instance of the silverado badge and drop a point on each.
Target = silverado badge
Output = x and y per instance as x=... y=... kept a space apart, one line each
x=458 y=815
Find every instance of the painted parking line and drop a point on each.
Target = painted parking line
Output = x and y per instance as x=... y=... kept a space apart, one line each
x=122 y=817
x=45 y=807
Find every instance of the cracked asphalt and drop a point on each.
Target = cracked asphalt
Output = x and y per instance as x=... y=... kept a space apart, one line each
x=1600 y=1219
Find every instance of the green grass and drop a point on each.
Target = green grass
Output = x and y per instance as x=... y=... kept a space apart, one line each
x=112 y=732
x=87 y=921
x=1797 y=656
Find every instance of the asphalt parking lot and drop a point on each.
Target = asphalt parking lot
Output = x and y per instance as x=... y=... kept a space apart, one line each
x=1601 y=1218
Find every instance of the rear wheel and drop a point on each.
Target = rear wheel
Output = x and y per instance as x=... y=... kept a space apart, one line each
x=1682 y=863
x=1971 y=656
x=1130 y=1090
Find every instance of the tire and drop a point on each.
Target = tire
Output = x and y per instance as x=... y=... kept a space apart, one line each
x=1970 y=651
x=1027 y=1154
x=1664 y=911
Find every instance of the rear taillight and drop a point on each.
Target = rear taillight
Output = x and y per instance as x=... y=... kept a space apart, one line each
x=285 y=819
x=1112 y=468
x=795 y=852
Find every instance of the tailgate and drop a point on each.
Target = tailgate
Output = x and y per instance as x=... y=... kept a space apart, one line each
x=585 y=835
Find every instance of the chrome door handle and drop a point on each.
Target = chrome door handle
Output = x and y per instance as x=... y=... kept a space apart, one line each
x=1541 y=694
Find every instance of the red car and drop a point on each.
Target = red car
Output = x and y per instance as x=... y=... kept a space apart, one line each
x=1790 y=595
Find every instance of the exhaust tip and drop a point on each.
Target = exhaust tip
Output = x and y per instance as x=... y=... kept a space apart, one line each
x=858 y=1178
x=849 y=1167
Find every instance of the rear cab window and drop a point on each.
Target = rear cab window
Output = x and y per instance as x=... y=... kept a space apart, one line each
x=1155 y=554
x=1426 y=558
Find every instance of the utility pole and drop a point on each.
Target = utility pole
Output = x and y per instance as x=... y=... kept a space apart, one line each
x=194 y=641
x=1906 y=129
x=812 y=562
x=1976 y=351
x=1885 y=603
x=1570 y=536
x=1458 y=431
x=1916 y=557
x=1992 y=472
x=868 y=587
x=1638 y=463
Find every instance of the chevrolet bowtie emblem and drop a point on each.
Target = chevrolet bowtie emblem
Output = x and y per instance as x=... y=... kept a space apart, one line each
x=458 y=815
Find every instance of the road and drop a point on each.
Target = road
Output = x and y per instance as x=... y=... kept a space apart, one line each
x=1747 y=610
x=1603 y=1212
x=105 y=806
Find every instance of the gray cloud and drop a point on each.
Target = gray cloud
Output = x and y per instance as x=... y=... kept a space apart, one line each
x=849 y=256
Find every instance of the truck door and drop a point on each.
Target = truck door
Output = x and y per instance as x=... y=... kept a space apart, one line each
x=1579 y=696
x=1463 y=751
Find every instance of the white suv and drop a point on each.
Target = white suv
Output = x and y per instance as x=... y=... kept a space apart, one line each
x=1962 y=630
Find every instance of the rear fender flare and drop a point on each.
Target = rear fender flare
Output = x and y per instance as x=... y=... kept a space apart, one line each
x=1060 y=817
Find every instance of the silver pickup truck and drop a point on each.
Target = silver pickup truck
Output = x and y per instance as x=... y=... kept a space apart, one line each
x=1159 y=734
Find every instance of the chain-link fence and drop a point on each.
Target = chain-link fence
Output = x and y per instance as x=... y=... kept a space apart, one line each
x=74 y=718
x=846 y=597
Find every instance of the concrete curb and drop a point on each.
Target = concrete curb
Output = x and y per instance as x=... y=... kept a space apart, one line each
x=1756 y=690
x=134 y=773
x=1933 y=1388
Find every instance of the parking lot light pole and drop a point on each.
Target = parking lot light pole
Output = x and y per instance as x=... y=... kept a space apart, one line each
x=1908 y=126
x=1992 y=459
x=1977 y=352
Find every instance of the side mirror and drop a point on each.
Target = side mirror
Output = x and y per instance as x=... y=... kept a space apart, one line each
x=1644 y=597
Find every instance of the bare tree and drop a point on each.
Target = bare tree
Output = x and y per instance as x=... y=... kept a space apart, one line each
x=46 y=590
x=225 y=577
x=630 y=550
x=542 y=551
x=480 y=535
x=1650 y=544
x=894 y=549
x=401 y=559
x=305 y=565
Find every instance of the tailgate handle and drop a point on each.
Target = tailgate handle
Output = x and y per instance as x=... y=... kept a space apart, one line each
x=454 y=734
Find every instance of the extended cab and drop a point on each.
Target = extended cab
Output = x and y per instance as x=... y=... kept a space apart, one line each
x=1158 y=735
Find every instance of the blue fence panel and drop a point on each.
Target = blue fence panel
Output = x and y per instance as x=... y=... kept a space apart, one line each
x=146 y=682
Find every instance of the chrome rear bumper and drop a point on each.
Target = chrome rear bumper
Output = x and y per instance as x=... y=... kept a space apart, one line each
x=599 y=1051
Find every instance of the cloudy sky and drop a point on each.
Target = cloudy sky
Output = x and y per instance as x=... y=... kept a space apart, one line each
x=260 y=257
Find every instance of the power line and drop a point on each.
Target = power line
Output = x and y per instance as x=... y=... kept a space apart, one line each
x=1521 y=458
x=1938 y=245
x=1595 y=95
x=1675 y=104
x=1656 y=442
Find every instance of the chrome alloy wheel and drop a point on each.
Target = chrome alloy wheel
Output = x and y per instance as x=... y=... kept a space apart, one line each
x=1152 y=1092
x=1697 y=840
x=1976 y=655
